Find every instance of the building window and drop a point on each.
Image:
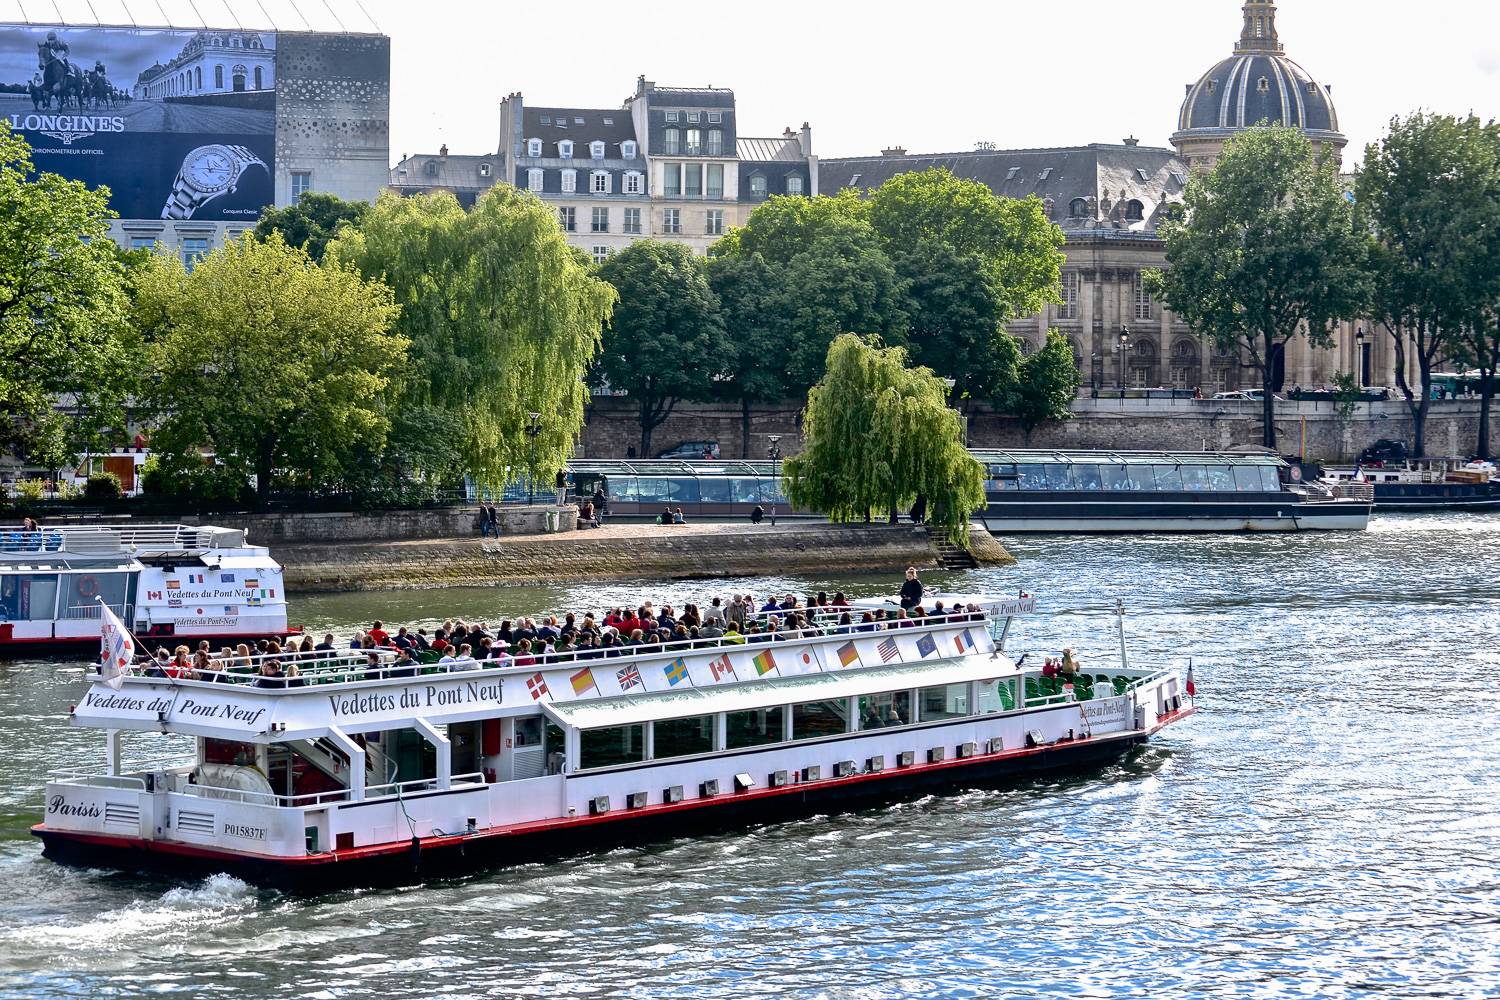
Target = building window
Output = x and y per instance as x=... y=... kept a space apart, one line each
x=1143 y=308
x=596 y=150
x=715 y=187
x=301 y=182
x=671 y=220
x=565 y=149
x=599 y=182
x=601 y=254
x=431 y=168
x=627 y=149
x=1134 y=211
x=632 y=221
x=600 y=221
x=692 y=117
x=692 y=180
x=1068 y=309
x=1078 y=208
x=713 y=222
x=694 y=144
x=757 y=185
x=794 y=184
x=192 y=250
x=198 y=78
x=715 y=142
x=671 y=180
x=484 y=170
x=671 y=116
x=671 y=142
x=714 y=117
x=567 y=217
x=259 y=80
x=219 y=77
x=142 y=242
x=237 y=78
x=533 y=147
x=632 y=183
x=533 y=180
x=569 y=181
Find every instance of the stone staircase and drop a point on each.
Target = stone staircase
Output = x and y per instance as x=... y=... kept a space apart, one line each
x=950 y=556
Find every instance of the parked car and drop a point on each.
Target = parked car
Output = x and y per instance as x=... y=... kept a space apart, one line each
x=1384 y=450
x=1235 y=395
x=1253 y=395
x=690 y=451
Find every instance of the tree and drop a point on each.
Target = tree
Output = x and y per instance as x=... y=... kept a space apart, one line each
x=1268 y=249
x=1346 y=396
x=749 y=306
x=64 y=333
x=1427 y=193
x=665 y=341
x=312 y=223
x=876 y=435
x=1046 y=385
x=504 y=320
x=274 y=364
x=1478 y=347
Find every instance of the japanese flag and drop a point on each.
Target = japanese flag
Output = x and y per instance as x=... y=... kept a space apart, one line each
x=116 y=648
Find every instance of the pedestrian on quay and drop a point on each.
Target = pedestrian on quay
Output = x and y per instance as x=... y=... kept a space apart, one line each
x=758 y=514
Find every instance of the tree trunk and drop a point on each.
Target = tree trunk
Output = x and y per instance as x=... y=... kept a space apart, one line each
x=647 y=426
x=1268 y=407
x=744 y=428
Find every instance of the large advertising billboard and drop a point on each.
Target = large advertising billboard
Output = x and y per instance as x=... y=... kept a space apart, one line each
x=178 y=124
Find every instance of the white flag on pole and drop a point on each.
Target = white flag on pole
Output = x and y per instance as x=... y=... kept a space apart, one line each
x=116 y=648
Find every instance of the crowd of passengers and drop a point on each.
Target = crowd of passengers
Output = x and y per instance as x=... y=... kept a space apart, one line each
x=529 y=641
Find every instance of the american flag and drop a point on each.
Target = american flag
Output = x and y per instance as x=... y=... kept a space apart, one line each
x=887 y=650
x=537 y=685
x=629 y=677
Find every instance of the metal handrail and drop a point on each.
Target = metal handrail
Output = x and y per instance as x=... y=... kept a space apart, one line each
x=394 y=789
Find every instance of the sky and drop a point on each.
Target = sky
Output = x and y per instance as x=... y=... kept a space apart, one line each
x=934 y=76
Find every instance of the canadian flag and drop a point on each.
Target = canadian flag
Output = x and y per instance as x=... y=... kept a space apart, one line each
x=116 y=648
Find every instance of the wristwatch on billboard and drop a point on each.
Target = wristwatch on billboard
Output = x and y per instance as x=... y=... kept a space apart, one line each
x=208 y=172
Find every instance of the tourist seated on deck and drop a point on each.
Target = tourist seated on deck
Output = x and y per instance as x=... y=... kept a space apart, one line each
x=357 y=642
x=271 y=675
x=1068 y=666
x=893 y=717
x=523 y=657
x=770 y=605
x=327 y=645
x=372 y=667
x=420 y=640
x=402 y=639
x=200 y=666
x=465 y=659
x=839 y=600
x=242 y=663
x=712 y=629
x=872 y=718
x=180 y=667
x=1049 y=667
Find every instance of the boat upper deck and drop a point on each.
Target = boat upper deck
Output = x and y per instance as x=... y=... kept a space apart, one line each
x=125 y=540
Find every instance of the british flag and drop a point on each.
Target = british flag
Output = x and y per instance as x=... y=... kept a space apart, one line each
x=629 y=677
x=537 y=685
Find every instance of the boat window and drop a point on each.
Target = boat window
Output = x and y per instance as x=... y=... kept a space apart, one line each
x=754 y=728
x=1270 y=480
x=1059 y=477
x=1141 y=478
x=610 y=745
x=1194 y=478
x=1033 y=477
x=947 y=701
x=1247 y=478
x=715 y=490
x=1089 y=478
x=996 y=696
x=879 y=711
x=744 y=490
x=1115 y=477
x=682 y=737
x=1002 y=477
x=1220 y=478
x=529 y=732
x=812 y=719
x=650 y=489
x=28 y=597
x=80 y=589
x=684 y=490
x=1168 y=477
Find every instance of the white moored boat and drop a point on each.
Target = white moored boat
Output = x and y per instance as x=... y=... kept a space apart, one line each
x=168 y=582
x=361 y=770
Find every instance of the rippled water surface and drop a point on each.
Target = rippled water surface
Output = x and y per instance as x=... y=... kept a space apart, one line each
x=1327 y=827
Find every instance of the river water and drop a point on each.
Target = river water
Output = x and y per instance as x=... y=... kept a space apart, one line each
x=1327 y=827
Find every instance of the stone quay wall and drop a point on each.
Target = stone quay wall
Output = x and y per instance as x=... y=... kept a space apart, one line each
x=612 y=430
x=619 y=552
x=292 y=528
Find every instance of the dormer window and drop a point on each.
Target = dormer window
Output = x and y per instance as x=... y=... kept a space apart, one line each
x=599 y=182
x=627 y=149
x=1078 y=208
x=431 y=168
x=1010 y=174
x=671 y=116
x=1263 y=85
x=632 y=182
x=1141 y=173
x=1213 y=86
x=715 y=117
x=692 y=117
x=1134 y=211
x=794 y=184
x=596 y=150
x=1046 y=172
x=484 y=170
x=565 y=149
x=533 y=147
x=569 y=181
x=534 y=179
x=1312 y=88
x=757 y=185
x=671 y=141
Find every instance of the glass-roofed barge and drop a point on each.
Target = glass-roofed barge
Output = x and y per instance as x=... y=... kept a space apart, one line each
x=1140 y=491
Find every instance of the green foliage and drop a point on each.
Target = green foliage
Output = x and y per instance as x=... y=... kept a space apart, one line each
x=67 y=490
x=31 y=490
x=1429 y=192
x=63 y=329
x=749 y=306
x=102 y=486
x=312 y=223
x=876 y=435
x=1046 y=385
x=193 y=480
x=275 y=365
x=1346 y=395
x=665 y=341
x=1268 y=247
x=504 y=319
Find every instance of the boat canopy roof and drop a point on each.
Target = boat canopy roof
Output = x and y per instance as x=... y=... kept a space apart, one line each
x=1126 y=458
x=672 y=467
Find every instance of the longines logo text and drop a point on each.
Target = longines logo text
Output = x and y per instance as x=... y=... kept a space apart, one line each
x=67 y=127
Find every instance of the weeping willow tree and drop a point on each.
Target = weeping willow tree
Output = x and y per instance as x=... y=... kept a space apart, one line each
x=877 y=435
x=504 y=319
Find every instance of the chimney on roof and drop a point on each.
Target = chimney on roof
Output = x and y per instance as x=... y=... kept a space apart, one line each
x=893 y=151
x=787 y=133
x=806 y=139
x=443 y=151
x=1132 y=141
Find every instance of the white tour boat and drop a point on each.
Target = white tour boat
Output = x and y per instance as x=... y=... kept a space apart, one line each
x=360 y=769
x=171 y=583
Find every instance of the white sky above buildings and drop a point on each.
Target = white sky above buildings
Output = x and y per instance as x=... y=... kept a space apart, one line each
x=934 y=76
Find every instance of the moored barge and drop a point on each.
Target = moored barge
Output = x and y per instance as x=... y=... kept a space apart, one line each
x=363 y=771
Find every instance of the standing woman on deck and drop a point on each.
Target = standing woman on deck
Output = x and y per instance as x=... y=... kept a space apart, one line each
x=911 y=590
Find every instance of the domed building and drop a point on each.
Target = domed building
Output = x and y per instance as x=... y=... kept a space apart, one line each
x=1257 y=84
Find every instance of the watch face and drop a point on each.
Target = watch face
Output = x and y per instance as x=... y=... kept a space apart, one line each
x=209 y=169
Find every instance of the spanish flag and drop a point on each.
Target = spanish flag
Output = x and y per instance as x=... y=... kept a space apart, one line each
x=582 y=681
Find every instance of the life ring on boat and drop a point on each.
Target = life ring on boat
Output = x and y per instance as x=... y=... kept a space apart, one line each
x=1295 y=473
x=88 y=586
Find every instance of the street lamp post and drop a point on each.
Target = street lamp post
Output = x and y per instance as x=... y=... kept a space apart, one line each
x=1123 y=347
x=1359 y=355
x=774 y=454
x=534 y=430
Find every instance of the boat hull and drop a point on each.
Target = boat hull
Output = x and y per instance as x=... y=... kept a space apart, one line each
x=1149 y=516
x=443 y=856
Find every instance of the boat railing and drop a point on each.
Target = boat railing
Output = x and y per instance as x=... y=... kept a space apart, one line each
x=388 y=790
x=1346 y=489
x=1056 y=693
x=111 y=539
x=340 y=666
